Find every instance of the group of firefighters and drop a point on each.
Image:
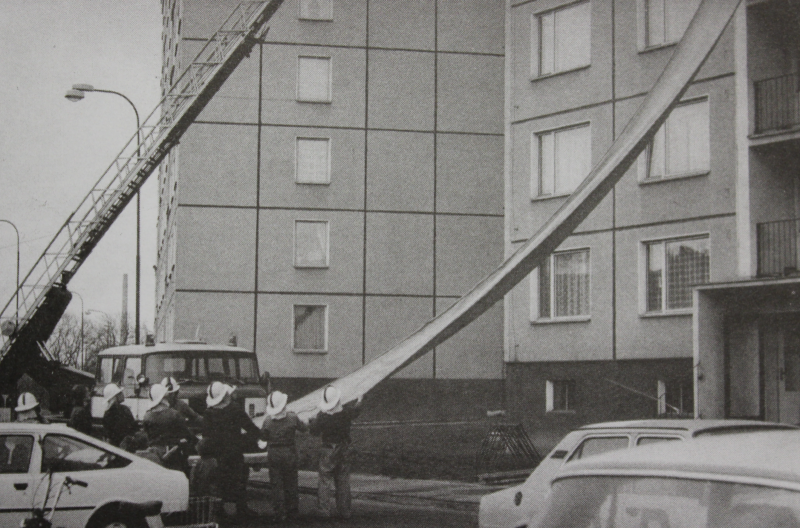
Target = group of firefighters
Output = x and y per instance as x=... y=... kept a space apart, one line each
x=226 y=432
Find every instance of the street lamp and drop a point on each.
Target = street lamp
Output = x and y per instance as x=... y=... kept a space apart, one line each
x=76 y=94
x=16 y=314
x=83 y=350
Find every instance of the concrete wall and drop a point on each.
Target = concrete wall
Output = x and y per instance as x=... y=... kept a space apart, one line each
x=414 y=204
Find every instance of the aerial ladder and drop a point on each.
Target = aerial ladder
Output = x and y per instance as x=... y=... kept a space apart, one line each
x=43 y=286
x=41 y=298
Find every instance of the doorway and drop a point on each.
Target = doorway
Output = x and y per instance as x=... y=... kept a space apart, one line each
x=780 y=352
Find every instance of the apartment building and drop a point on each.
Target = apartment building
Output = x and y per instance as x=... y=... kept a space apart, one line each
x=343 y=186
x=678 y=294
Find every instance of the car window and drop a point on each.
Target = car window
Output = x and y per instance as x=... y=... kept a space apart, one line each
x=647 y=440
x=64 y=453
x=597 y=445
x=15 y=453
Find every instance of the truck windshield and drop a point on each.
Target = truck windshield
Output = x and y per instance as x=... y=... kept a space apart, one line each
x=201 y=367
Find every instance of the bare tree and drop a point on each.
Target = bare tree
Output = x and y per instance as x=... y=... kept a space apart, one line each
x=65 y=342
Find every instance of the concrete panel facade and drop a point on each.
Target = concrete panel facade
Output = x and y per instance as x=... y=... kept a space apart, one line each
x=415 y=131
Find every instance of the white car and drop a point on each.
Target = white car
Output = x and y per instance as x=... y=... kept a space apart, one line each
x=106 y=482
x=512 y=507
x=750 y=480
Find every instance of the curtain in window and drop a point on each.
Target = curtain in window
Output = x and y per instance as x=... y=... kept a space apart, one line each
x=573 y=158
x=314 y=79
x=312 y=160
x=309 y=328
x=564 y=39
x=655 y=276
x=316 y=9
x=688 y=139
x=311 y=244
x=687 y=265
x=571 y=283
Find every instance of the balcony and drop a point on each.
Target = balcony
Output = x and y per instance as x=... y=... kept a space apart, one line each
x=777 y=104
x=778 y=248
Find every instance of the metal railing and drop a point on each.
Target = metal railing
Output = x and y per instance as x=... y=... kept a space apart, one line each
x=777 y=244
x=777 y=102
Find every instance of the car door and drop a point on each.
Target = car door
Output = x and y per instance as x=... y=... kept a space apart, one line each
x=70 y=456
x=16 y=477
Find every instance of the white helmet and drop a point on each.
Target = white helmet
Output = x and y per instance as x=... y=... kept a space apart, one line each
x=110 y=390
x=276 y=402
x=216 y=392
x=330 y=398
x=157 y=393
x=171 y=384
x=26 y=402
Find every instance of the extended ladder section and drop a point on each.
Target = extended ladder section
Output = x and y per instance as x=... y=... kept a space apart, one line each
x=39 y=292
x=700 y=38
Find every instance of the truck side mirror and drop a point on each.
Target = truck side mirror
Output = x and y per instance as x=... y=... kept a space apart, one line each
x=265 y=380
x=141 y=381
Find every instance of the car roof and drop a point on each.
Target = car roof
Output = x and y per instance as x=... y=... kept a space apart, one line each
x=188 y=347
x=694 y=426
x=764 y=456
x=31 y=427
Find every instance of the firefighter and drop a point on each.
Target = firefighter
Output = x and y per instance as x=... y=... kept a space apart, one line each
x=193 y=419
x=333 y=423
x=28 y=409
x=279 y=429
x=80 y=418
x=223 y=423
x=166 y=430
x=118 y=420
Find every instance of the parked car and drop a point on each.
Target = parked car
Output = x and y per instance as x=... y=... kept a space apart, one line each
x=734 y=481
x=512 y=507
x=103 y=481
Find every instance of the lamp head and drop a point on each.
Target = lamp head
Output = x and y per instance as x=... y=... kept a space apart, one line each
x=74 y=95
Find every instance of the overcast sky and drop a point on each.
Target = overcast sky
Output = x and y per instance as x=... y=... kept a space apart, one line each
x=52 y=151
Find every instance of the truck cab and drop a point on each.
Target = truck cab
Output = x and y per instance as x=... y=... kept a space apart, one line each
x=193 y=364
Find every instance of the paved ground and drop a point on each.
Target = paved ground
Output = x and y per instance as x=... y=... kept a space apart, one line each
x=458 y=496
x=377 y=502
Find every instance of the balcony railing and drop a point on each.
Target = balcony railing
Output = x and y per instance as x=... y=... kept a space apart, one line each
x=777 y=103
x=778 y=247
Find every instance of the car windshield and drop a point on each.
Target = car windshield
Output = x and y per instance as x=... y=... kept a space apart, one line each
x=634 y=502
x=202 y=367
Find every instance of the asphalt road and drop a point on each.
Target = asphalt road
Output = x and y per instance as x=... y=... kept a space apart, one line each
x=365 y=514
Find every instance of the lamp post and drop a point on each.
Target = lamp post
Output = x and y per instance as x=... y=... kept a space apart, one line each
x=76 y=94
x=83 y=350
x=16 y=313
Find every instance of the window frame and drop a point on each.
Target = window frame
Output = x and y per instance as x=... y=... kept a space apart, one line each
x=644 y=160
x=329 y=96
x=328 y=17
x=536 y=190
x=326 y=324
x=298 y=141
x=536 y=41
x=535 y=282
x=550 y=386
x=577 y=451
x=644 y=269
x=642 y=24
x=327 y=251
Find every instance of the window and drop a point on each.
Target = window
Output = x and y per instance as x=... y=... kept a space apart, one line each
x=681 y=147
x=310 y=328
x=559 y=395
x=316 y=9
x=673 y=268
x=664 y=21
x=314 y=79
x=598 y=445
x=560 y=289
x=675 y=396
x=313 y=160
x=310 y=244
x=560 y=40
x=647 y=440
x=561 y=160
x=63 y=453
x=15 y=453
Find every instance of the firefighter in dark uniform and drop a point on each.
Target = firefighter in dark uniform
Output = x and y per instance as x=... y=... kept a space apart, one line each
x=223 y=423
x=118 y=420
x=193 y=419
x=166 y=430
